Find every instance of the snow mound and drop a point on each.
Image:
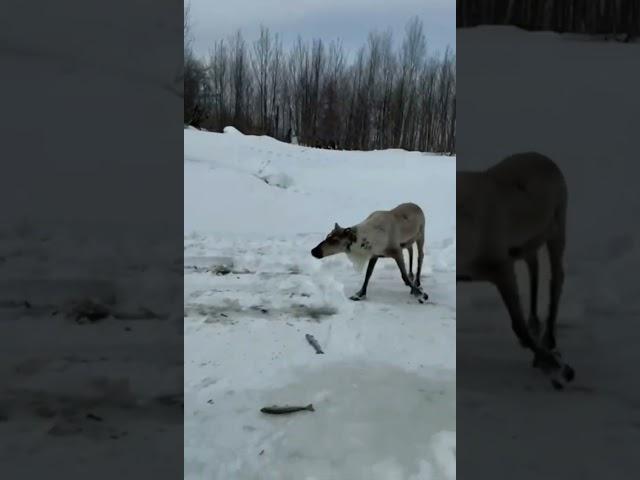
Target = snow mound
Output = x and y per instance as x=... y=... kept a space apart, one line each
x=277 y=179
x=231 y=131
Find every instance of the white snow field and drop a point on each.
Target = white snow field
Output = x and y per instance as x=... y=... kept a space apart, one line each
x=569 y=98
x=384 y=391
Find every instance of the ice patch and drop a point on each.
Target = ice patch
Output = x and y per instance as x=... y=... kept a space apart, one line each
x=379 y=438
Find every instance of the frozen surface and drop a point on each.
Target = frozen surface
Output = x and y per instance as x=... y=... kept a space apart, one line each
x=384 y=391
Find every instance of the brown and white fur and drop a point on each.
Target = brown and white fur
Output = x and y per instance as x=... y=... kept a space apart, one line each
x=507 y=213
x=384 y=233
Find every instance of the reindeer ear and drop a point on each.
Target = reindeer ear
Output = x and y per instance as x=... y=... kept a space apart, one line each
x=351 y=235
x=336 y=226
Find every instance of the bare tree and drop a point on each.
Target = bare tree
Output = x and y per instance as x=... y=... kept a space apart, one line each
x=239 y=80
x=381 y=98
x=218 y=77
x=275 y=73
x=193 y=78
x=260 y=63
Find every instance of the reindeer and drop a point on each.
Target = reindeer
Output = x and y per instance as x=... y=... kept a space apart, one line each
x=384 y=233
x=507 y=213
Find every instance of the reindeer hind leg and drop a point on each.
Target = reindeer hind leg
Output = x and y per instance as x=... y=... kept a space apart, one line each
x=410 y=250
x=506 y=283
x=555 y=247
x=415 y=291
x=532 y=266
x=420 y=246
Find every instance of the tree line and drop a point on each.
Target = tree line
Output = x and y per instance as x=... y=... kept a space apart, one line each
x=620 y=18
x=318 y=95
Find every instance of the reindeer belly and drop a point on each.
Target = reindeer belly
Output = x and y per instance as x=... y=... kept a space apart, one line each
x=407 y=236
x=529 y=219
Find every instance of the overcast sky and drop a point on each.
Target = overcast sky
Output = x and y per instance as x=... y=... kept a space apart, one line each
x=348 y=20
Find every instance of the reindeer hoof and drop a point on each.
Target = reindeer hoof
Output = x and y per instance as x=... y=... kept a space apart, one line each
x=548 y=362
x=357 y=297
x=537 y=363
x=419 y=294
x=557 y=384
x=568 y=373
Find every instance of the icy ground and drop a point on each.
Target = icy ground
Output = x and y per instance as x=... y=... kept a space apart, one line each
x=567 y=97
x=384 y=391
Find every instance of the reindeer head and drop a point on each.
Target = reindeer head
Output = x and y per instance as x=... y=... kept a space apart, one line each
x=339 y=240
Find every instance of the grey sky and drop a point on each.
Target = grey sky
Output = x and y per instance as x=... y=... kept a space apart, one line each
x=348 y=20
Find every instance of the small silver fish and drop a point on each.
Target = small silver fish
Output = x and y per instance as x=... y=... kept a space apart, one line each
x=314 y=343
x=275 y=410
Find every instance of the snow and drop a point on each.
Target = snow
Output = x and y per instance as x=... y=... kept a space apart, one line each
x=566 y=97
x=384 y=391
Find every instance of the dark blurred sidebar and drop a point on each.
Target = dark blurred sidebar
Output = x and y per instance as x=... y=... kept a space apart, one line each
x=91 y=242
x=559 y=79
